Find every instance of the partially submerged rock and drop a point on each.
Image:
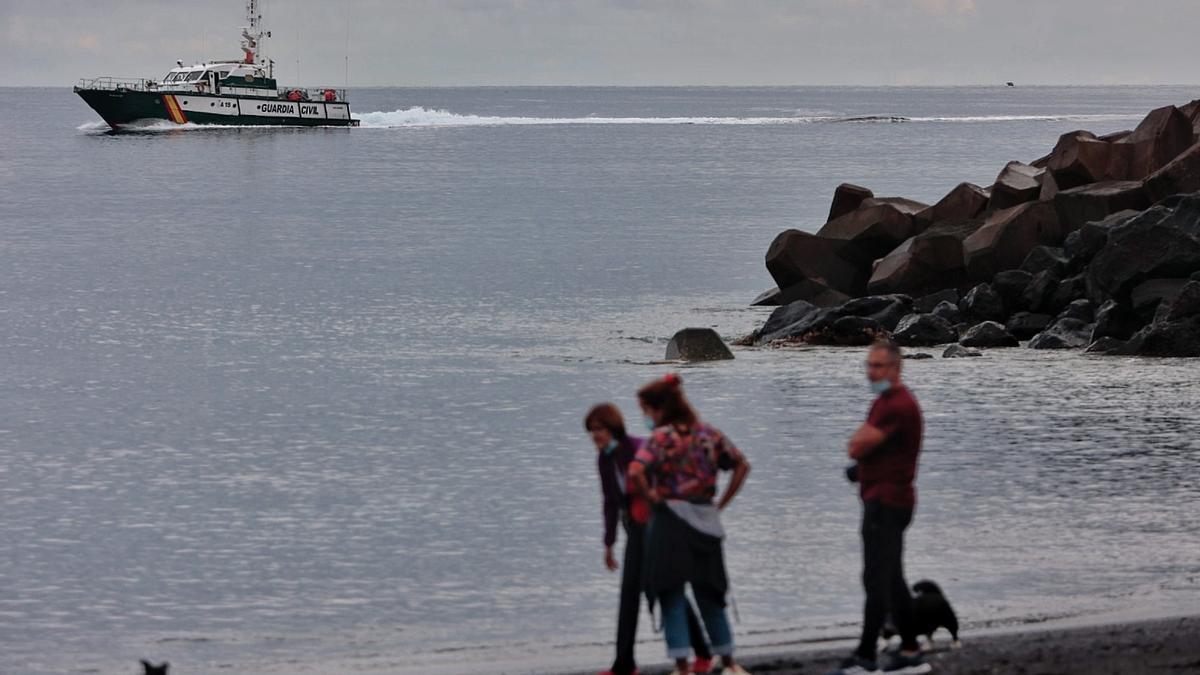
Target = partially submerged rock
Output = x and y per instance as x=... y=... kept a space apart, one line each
x=988 y=334
x=1025 y=325
x=958 y=352
x=697 y=344
x=924 y=330
x=1066 y=333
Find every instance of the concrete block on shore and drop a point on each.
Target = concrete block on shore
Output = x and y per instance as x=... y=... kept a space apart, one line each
x=697 y=344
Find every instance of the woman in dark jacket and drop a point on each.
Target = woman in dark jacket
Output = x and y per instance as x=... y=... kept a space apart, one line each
x=615 y=450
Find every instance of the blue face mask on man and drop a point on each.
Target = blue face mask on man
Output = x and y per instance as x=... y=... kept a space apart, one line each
x=880 y=386
x=612 y=445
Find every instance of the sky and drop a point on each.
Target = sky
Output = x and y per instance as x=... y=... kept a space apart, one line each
x=617 y=42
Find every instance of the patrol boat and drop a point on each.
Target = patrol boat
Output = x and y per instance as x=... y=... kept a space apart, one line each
x=236 y=92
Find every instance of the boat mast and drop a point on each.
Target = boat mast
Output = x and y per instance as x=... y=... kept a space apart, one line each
x=252 y=34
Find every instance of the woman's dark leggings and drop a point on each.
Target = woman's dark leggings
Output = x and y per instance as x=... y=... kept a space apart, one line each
x=631 y=604
x=883 y=577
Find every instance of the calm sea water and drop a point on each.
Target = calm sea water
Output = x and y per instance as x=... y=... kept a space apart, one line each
x=281 y=400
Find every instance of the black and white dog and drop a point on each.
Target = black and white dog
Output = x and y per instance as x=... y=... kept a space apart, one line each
x=931 y=611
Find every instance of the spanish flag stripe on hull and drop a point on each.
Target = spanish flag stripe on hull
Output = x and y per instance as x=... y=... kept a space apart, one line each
x=173 y=109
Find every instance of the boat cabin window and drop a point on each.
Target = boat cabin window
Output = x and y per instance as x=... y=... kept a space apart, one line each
x=195 y=75
x=172 y=77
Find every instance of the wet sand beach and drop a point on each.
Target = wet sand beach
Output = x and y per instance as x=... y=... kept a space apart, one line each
x=1155 y=646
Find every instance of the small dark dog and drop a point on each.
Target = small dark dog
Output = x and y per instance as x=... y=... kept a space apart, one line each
x=151 y=669
x=931 y=611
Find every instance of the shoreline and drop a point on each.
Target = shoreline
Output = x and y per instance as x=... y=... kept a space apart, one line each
x=1128 y=643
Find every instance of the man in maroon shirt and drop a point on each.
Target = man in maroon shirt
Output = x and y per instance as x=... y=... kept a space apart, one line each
x=885 y=448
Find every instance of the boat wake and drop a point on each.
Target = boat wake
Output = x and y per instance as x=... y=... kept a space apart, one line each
x=425 y=117
x=419 y=117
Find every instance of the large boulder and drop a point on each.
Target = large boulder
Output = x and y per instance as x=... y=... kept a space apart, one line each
x=1079 y=158
x=1184 y=305
x=988 y=334
x=1169 y=338
x=921 y=264
x=1043 y=258
x=1007 y=236
x=1161 y=137
x=873 y=229
x=1024 y=325
x=983 y=303
x=802 y=322
x=1050 y=187
x=1083 y=244
x=768 y=298
x=1097 y=201
x=1192 y=112
x=1161 y=242
x=1066 y=333
x=926 y=303
x=1115 y=321
x=846 y=198
x=924 y=330
x=1148 y=295
x=1106 y=346
x=948 y=311
x=886 y=309
x=796 y=256
x=1071 y=289
x=1080 y=310
x=785 y=316
x=1039 y=294
x=1011 y=285
x=697 y=344
x=855 y=331
x=965 y=201
x=1017 y=183
x=1179 y=176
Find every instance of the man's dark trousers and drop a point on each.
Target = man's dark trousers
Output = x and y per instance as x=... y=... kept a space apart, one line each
x=883 y=576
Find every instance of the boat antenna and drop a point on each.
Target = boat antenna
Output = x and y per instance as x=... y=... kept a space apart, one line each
x=346 y=83
x=252 y=33
x=299 y=40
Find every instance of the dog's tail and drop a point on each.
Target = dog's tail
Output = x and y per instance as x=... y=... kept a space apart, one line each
x=926 y=586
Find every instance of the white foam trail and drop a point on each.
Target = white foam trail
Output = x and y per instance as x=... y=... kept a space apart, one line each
x=425 y=117
x=418 y=117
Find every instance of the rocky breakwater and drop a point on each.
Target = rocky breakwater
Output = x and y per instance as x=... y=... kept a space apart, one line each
x=1095 y=246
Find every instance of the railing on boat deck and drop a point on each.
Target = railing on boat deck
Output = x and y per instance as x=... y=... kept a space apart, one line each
x=320 y=94
x=117 y=84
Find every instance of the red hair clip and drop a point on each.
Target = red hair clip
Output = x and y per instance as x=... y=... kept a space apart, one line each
x=672 y=379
